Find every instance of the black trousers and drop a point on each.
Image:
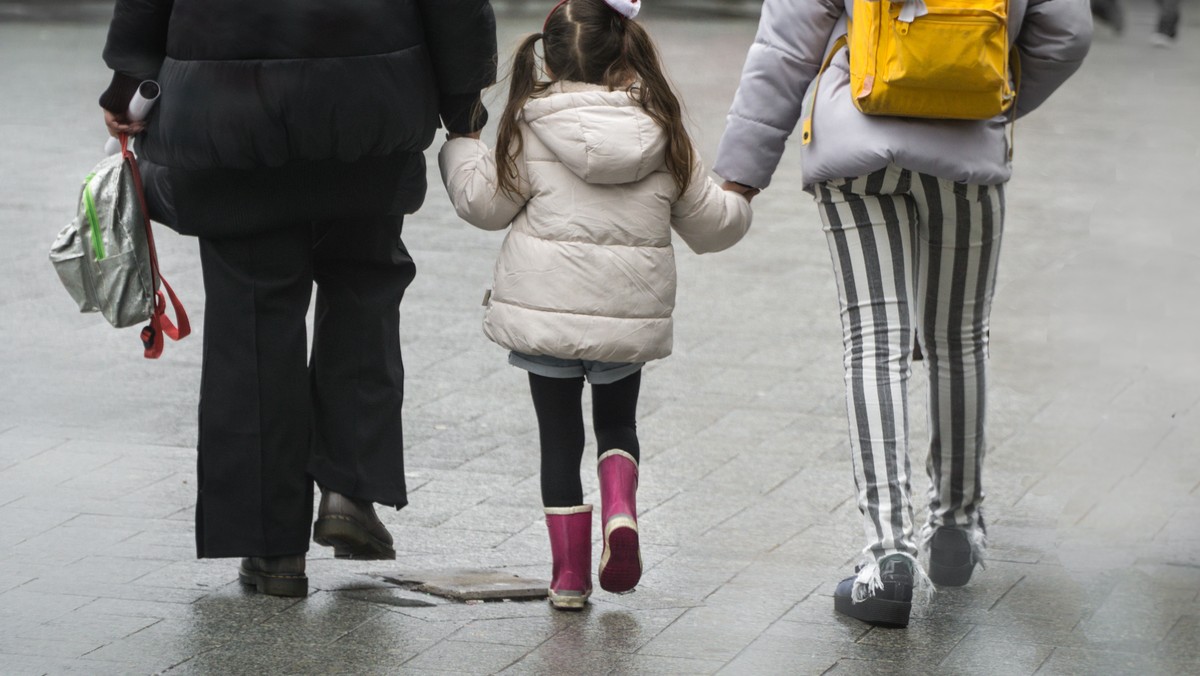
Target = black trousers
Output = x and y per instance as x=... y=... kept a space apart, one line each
x=1110 y=12
x=272 y=418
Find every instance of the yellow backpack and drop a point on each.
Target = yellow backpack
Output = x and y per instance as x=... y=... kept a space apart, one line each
x=945 y=59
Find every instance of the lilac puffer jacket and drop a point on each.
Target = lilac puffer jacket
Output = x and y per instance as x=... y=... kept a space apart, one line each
x=1052 y=37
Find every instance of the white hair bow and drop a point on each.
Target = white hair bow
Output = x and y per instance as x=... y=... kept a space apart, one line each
x=626 y=8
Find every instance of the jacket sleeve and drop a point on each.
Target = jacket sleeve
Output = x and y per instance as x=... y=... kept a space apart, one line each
x=708 y=218
x=136 y=47
x=461 y=35
x=785 y=57
x=1054 y=38
x=469 y=173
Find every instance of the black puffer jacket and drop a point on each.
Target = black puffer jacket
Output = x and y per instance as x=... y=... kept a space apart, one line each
x=309 y=87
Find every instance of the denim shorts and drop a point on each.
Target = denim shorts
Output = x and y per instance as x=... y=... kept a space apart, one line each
x=596 y=372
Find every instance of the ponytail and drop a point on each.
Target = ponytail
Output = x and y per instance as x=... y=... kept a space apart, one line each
x=588 y=41
x=508 y=137
x=656 y=96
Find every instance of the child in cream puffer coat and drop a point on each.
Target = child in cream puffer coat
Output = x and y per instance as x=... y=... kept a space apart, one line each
x=592 y=171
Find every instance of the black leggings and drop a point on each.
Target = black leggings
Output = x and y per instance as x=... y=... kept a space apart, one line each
x=560 y=425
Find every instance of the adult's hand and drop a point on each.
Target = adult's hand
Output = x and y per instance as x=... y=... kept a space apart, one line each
x=120 y=124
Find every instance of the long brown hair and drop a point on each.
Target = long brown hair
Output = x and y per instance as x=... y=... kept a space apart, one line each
x=587 y=41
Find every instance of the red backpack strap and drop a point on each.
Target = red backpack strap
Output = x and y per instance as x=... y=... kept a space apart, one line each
x=160 y=324
x=181 y=327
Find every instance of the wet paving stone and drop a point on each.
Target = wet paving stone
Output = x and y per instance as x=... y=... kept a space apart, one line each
x=747 y=512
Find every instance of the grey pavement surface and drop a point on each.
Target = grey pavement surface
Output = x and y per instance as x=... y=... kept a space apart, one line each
x=1093 y=475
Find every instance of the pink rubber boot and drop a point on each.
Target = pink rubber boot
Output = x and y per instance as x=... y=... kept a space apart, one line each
x=621 y=563
x=571 y=546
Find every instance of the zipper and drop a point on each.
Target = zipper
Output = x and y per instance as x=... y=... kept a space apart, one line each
x=93 y=222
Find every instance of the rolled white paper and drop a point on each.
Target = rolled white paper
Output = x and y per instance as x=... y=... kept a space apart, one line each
x=139 y=107
x=143 y=100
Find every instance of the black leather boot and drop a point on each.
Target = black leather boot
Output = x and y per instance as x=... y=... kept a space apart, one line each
x=352 y=528
x=275 y=575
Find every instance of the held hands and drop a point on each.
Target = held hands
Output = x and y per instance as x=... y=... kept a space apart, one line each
x=741 y=189
x=120 y=124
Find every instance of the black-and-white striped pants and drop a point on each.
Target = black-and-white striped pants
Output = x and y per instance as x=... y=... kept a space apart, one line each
x=914 y=252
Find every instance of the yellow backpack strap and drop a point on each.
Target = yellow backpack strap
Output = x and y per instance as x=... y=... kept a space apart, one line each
x=1015 y=65
x=806 y=129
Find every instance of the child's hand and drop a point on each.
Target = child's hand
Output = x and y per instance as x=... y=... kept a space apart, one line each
x=472 y=134
x=741 y=189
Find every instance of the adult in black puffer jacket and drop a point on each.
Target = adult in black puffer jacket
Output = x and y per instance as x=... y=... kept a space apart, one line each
x=289 y=138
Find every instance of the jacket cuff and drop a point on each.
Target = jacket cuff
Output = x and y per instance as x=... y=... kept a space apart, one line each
x=463 y=113
x=120 y=92
x=749 y=152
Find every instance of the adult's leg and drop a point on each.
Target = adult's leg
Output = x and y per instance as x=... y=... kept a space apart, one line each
x=560 y=430
x=958 y=244
x=361 y=269
x=1110 y=12
x=1168 y=18
x=869 y=223
x=255 y=497
x=614 y=415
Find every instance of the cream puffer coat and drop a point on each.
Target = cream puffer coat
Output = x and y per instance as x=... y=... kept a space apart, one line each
x=587 y=270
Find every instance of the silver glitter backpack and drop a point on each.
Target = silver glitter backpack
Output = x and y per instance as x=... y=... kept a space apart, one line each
x=106 y=257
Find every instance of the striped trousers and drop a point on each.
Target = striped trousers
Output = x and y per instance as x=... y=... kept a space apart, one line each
x=914 y=254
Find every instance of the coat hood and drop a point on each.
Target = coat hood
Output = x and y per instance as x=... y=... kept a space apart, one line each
x=604 y=137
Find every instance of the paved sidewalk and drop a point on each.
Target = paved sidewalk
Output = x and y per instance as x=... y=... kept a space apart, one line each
x=1093 y=477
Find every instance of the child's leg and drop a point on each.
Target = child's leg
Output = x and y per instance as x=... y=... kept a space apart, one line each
x=560 y=427
x=961 y=227
x=869 y=224
x=614 y=413
x=569 y=522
